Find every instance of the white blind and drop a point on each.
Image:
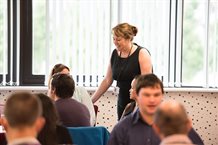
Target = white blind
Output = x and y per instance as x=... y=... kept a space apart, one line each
x=152 y=17
x=4 y=42
x=78 y=34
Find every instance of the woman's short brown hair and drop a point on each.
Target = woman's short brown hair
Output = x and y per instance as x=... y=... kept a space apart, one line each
x=125 y=31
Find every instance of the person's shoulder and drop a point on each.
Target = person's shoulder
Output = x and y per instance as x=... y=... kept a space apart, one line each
x=114 y=53
x=195 y=138
x=80 y=88
x=124 y=123
x=73 y=102
x=142 y=49
x=61 y=128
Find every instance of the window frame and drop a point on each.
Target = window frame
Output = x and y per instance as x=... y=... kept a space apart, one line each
x=11 y=43
x=26 y=76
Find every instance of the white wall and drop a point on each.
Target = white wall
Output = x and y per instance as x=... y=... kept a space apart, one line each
x=201 y=106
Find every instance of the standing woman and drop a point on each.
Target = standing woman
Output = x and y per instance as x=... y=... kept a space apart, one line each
x=127 y=61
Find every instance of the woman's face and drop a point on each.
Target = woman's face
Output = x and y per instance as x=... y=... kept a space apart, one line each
x=121 y=43
x=132 y=90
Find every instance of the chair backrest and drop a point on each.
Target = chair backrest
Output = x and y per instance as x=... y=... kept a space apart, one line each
x=3 y=140
x=96 y=110
x=98 y=135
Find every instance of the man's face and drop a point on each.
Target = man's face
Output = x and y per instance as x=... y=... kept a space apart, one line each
x=148 y=99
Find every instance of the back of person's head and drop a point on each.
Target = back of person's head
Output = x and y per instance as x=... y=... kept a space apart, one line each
x=63 y=85
x=125 y=31
x=148 y=80
x=171 y=118
x=48 y=135
x=22 y=109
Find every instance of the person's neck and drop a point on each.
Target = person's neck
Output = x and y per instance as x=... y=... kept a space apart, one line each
x=126 y=52
x=14 y=134
x=56 y=98
x=147 y=118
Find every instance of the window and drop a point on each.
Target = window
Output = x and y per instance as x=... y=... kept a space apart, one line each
x=180 y=35
x=199 y=60
x=76 y=33
x=82 y=40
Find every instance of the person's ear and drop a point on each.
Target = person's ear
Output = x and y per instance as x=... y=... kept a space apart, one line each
x=51 y=93
x=39 y=124
x=189 y=125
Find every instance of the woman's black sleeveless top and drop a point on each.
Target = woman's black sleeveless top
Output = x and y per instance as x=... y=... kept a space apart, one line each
x=124 y=70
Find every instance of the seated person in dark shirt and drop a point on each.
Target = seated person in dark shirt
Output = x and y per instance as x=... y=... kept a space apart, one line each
x=136 y=128
x=172 y=124
x=52 y=133
x=71 y=112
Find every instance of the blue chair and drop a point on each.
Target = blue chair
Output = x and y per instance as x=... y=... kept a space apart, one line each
x=98 y=135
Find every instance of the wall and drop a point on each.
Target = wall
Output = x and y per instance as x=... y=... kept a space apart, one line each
x=202 y=107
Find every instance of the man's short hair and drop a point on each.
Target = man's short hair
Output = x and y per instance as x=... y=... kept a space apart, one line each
x=148 y=80
x=63 y=84
x=22 y=109
x=171 y=121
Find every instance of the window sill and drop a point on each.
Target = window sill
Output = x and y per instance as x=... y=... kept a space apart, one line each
x=44 y=88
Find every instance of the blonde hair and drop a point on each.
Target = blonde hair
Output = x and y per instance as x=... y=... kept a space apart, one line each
x=125 y=31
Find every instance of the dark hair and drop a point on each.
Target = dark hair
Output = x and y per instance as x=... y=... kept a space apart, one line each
x=22 y=109
x=48 y=135
x=136 y=79
x=171 y=121
x=63 y=84
x=56 y=69
x=125 y=31
x=148 y=80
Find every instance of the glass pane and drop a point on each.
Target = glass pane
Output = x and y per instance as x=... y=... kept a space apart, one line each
x=3 y=36
x=213 y=45
x=39 y=36
x=76 y=33
x=194 y=42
